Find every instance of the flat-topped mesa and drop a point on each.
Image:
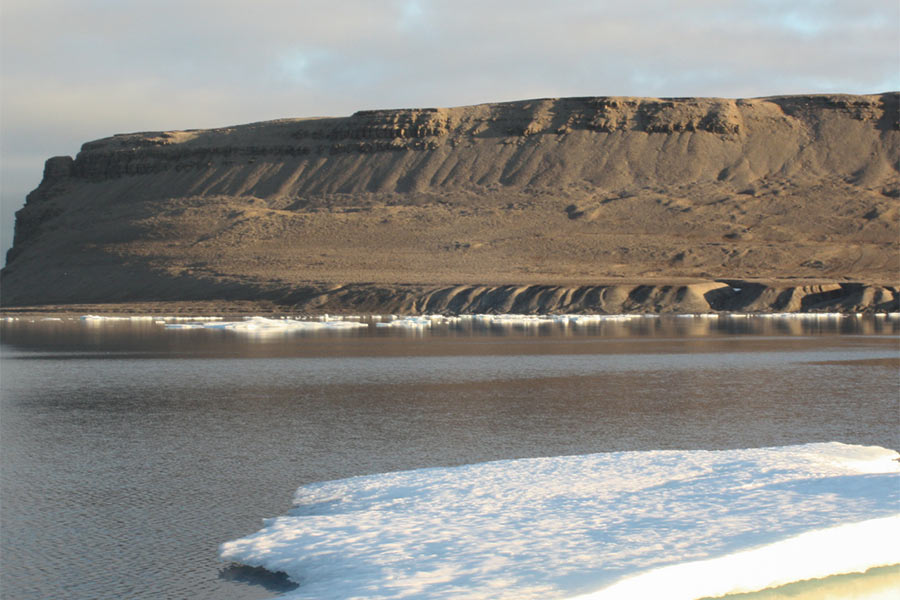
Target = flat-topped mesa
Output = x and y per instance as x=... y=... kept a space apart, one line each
x=741 y=123
x=593 y=191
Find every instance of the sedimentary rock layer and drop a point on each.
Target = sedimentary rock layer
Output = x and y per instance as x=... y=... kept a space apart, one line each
x=565 y=200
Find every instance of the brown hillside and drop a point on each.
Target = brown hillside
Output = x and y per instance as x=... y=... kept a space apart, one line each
x=573 y=192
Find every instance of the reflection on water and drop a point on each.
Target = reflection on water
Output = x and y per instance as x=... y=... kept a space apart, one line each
x=488 y=335
x=130 y=452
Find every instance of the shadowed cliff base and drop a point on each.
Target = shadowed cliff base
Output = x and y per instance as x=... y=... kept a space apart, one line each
x=553 y=205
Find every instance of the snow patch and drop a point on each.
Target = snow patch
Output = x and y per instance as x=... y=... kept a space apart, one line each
x=673 y=524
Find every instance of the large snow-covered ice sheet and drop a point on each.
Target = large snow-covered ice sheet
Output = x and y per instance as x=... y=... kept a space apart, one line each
x=568 y=526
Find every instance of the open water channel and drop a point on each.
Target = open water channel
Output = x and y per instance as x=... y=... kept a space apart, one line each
x=130 y=451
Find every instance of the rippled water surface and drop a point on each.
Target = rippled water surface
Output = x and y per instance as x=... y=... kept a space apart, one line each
x=130 y=452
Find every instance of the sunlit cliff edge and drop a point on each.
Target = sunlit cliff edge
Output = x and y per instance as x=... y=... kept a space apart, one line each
x=554 y=205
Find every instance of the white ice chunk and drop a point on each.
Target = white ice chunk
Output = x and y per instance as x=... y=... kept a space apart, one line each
x=265 y=325
x=199 y=318
x=589 y=525
x=407 y=323
x=100 y=318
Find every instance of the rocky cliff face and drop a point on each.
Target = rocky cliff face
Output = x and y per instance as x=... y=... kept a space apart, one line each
x=789 y=191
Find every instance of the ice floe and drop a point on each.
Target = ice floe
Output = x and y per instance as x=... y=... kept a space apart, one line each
x=658 y=524
x=501 y=320
x=263 y=325
x=102 y=318
x=420 y=323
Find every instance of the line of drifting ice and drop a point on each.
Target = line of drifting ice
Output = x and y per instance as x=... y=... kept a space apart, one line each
x=101 y=318
x=423 y=322
x=417 y=322
x=265 y=325
x=657 y=524
x=252 y=323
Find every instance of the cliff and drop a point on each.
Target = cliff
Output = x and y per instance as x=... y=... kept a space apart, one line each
x=796 y=197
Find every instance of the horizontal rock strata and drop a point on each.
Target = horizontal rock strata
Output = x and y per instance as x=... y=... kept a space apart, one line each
x=526 y=206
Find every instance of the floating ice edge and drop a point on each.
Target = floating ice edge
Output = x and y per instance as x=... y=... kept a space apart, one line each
x=425 y=321
x=673 y=524
x=812 y=555
x=259 y=325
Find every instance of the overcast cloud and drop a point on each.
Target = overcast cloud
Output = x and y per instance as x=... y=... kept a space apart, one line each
x=74 y=71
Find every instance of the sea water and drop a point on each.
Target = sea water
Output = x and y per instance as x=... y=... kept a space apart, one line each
x=132 y=451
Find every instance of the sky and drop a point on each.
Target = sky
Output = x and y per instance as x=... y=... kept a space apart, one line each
x=75 y=71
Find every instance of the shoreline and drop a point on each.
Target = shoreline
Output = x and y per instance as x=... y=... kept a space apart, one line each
x=720 y=296
x=242 y=310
